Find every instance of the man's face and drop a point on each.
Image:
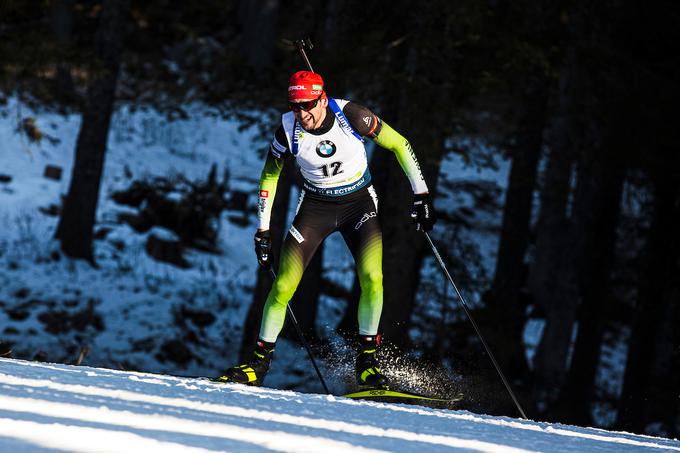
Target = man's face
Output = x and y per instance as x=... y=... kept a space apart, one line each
x=310 y=112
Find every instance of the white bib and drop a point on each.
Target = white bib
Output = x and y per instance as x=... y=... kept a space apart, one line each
x=331 y=161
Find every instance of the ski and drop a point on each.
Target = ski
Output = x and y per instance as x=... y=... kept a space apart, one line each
x=386 y=395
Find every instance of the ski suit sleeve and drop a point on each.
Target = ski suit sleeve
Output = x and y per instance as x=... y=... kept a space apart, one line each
x=268 y=182
x=390 y=139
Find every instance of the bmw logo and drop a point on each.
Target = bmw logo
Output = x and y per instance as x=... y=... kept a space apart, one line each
x=325 y=148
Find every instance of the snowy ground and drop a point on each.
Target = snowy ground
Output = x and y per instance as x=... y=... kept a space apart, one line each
x=46 y=407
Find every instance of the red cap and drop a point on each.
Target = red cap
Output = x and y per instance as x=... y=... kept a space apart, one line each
x=304 y=85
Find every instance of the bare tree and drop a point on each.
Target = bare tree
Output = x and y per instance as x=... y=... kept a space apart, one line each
x=75 y=229
x=657 y=287
x=552 y=278
x=596 y=214
x=510 y=276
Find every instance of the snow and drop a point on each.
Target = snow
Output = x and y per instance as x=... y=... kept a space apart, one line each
x=47 y=407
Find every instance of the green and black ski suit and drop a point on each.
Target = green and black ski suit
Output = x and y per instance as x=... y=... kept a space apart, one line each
x=337 y=195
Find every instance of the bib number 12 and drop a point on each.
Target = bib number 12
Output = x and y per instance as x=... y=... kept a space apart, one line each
x=331 y=169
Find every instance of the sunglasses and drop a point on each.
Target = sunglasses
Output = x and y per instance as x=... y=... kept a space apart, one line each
x=306 y=105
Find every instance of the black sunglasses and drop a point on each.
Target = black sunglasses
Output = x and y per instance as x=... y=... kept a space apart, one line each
x=306 y=105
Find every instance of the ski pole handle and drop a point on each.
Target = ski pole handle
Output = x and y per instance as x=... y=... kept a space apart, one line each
x=301 y=44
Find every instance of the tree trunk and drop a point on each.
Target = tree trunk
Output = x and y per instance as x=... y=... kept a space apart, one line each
x=552 y=274
x=75 y=229
x=510 y=276
x=596 y=208
x=656 y=288
x=279 y=219
x=552 y=278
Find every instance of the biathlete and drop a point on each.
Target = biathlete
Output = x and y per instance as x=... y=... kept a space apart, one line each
x=326 y=138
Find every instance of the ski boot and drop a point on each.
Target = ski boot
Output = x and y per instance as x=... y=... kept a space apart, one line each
x=253 y=372
x=367 y=371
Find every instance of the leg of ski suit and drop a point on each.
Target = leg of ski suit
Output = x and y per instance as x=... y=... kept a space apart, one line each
x=364 y=240
x=356 y=217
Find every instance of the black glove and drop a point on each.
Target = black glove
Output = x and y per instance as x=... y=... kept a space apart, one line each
x=263 y=248
x=423 y=214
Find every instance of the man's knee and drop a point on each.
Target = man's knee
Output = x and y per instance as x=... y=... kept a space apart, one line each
x=371 y=280
x=283 y=290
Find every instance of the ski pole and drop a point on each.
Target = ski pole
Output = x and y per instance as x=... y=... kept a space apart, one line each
x=301 y=44
x=474 y=324
x=302 y=339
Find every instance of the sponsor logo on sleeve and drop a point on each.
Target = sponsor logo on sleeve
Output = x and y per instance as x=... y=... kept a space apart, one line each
x=264 y=193
x=262 y=205
x=415 y=160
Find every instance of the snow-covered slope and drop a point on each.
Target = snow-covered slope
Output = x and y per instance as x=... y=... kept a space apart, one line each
x=49 y=407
